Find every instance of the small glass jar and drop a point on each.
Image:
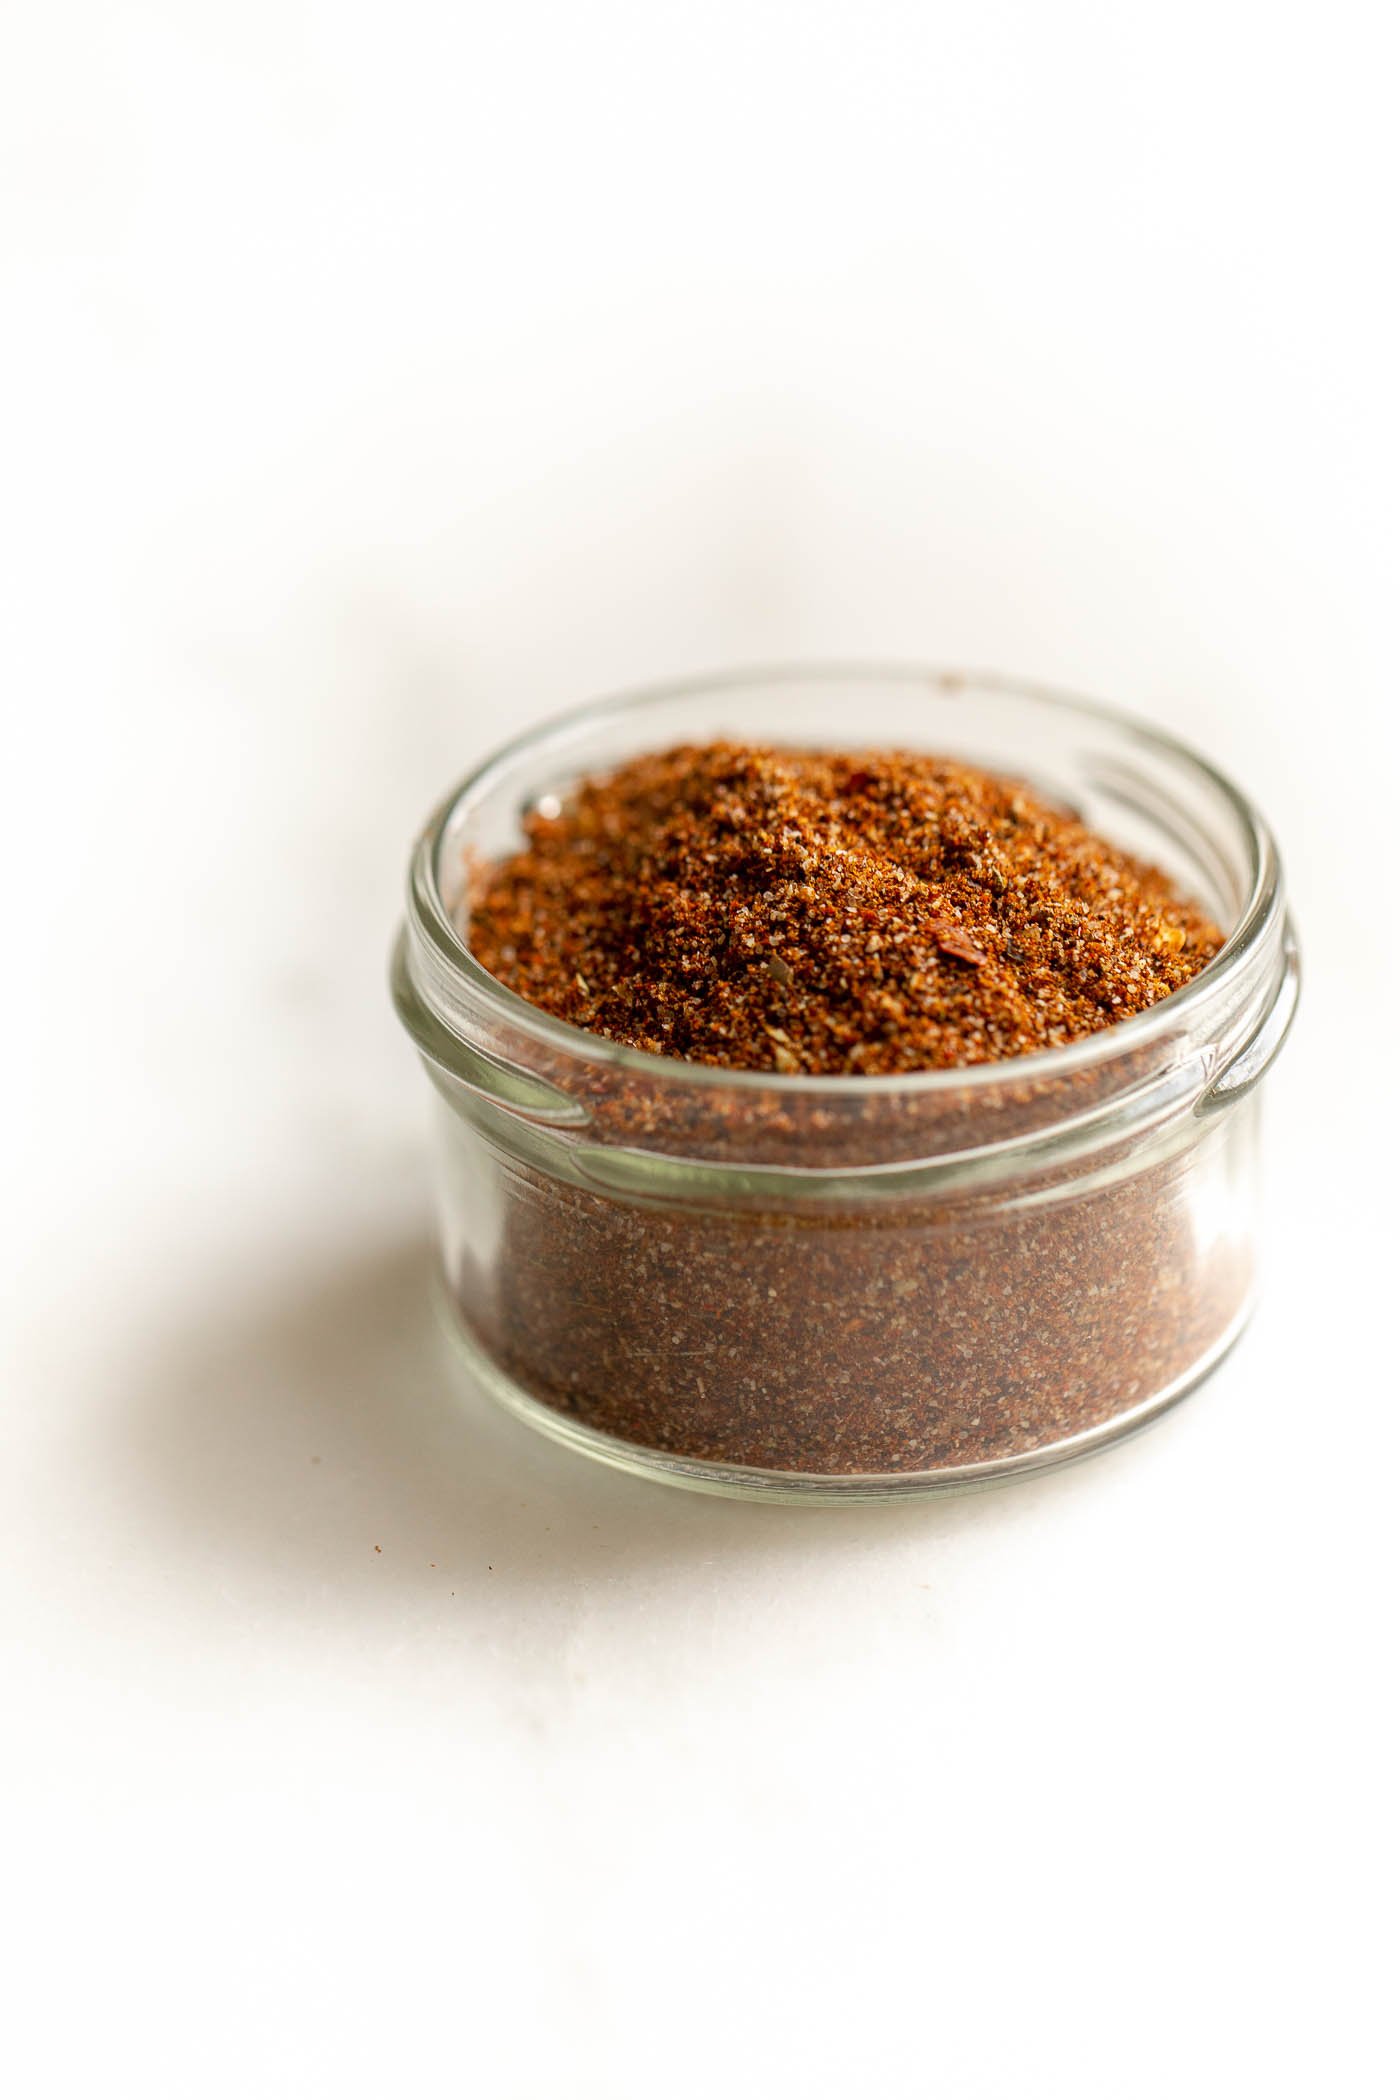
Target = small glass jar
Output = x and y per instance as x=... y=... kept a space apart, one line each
x=818 y=1288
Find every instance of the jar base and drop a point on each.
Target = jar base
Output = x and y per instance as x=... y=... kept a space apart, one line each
x=760 y=1484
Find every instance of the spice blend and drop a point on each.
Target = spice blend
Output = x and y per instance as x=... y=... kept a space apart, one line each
x=868 y=914
x=818 y=912
x=858 y=1342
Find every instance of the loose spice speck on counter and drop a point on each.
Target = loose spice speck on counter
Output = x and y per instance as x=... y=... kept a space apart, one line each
x=815 y=914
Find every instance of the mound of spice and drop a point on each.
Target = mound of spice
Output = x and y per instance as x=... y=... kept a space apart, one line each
x=874 y=912
x=865 y=914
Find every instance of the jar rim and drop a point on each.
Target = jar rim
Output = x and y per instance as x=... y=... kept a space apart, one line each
x=433 y=920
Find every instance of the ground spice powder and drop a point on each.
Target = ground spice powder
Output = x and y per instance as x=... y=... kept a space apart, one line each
x=864 y=914
x=818 y=912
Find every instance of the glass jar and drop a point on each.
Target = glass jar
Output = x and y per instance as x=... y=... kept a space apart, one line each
x=817 y=1288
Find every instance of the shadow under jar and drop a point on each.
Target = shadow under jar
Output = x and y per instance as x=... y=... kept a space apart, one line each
x=817 y=1287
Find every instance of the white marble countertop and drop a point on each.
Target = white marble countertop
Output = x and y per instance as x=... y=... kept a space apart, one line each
x=357 y=1741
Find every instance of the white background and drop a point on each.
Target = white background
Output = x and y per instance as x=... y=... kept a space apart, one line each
x=378 y=380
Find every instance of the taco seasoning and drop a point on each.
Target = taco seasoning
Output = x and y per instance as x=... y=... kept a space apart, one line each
x=810 y=1124
x=867 y=912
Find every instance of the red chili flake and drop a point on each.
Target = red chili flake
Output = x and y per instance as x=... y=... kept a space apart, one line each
x=952 y=941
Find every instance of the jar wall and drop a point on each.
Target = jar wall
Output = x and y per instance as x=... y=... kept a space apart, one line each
x=890 y=1337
